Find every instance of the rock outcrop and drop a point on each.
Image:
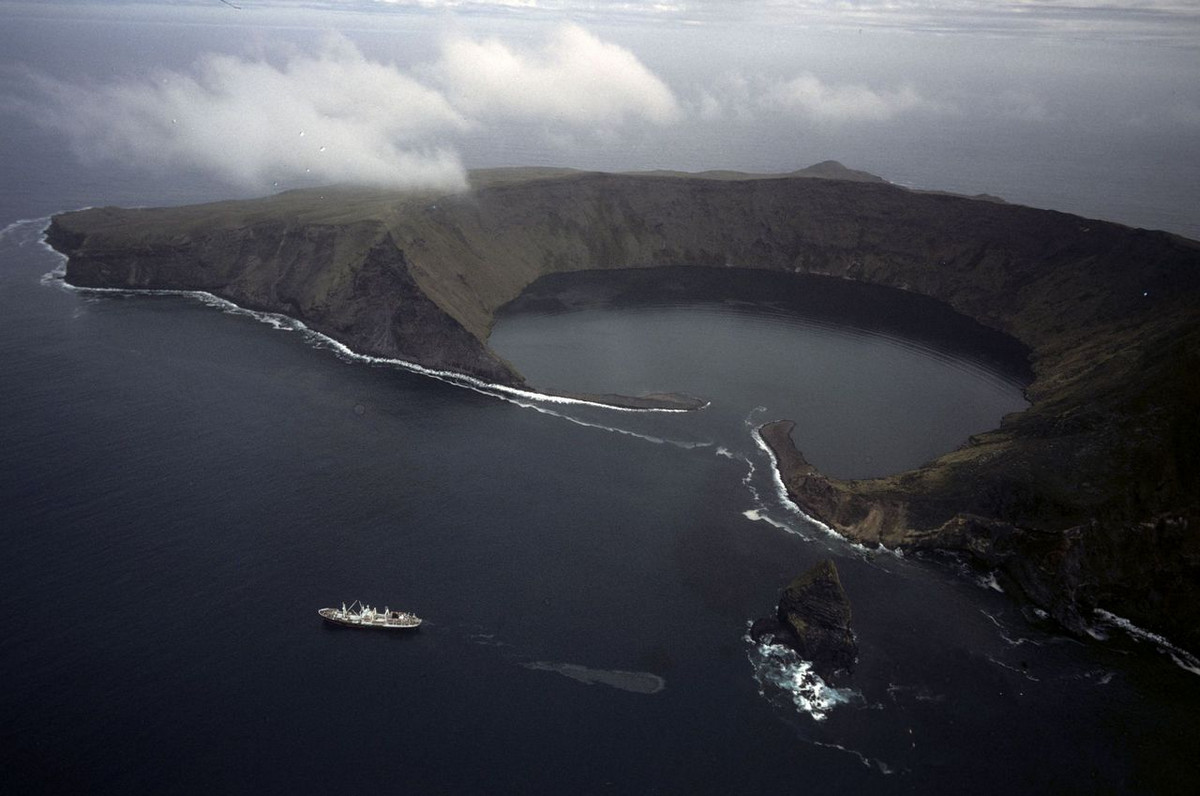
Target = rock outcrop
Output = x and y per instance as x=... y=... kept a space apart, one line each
x=1146 y=571
x=813 y=618
x=1090 y=498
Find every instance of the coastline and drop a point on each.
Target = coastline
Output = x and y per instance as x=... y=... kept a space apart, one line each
x=659 y=402
x=1041 y=571
x=1088 y=497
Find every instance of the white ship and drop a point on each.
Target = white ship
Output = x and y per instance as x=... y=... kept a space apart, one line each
x=359 y=615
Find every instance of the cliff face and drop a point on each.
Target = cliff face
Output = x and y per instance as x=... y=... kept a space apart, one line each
x=813 y=618
x=1106 y=455
x=344 y=277
x=1142 y=563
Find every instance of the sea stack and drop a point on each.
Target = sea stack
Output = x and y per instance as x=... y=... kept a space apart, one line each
x=813 y=618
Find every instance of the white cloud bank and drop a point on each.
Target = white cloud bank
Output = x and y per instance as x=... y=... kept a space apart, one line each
x=336 y=116
x=575 y=78
x=809 y=96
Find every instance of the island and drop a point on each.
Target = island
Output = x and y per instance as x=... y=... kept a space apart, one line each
x=813 y=618
x=1089 y=499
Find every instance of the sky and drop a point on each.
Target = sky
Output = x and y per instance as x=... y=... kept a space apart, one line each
x=1082 y=17
x=1093 y=107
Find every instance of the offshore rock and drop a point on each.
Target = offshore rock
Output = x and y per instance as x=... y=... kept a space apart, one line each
x=1147 y=571
x=813 y=618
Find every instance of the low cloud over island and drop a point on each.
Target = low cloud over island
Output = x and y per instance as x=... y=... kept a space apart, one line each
x=1019 y=99
x=335 y=115
x=332 y=114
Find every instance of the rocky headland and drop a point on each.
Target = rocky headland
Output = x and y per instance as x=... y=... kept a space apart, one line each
x=813 y=618
x=1088 y=499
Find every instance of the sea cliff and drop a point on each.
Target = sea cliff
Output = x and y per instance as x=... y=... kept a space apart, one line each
x=1087 y=499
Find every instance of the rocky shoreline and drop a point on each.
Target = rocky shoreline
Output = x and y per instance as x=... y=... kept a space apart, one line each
x=1073 y=576
x=1088 y=499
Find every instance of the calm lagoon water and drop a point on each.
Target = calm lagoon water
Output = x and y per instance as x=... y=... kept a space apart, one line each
x=876 y=380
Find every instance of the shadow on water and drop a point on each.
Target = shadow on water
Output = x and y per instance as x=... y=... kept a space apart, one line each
x=793 y=299
x=876 y=380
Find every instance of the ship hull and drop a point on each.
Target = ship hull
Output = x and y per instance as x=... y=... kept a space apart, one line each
x=376 y=622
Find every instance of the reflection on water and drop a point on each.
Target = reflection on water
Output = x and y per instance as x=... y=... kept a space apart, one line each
x=877 y=380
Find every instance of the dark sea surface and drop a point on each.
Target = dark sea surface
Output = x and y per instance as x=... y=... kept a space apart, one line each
x=182 y=487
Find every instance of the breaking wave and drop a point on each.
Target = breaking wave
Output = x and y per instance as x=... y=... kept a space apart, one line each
x=757 y=515
x=782 y=674
x=529 y=399
x=25 y=231
x=1182 y=658
x=786 y=500
x=1010 y=639
x=18 y=225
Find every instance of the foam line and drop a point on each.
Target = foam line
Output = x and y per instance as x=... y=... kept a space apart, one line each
x=1182 y=658
x=781 y=488
x=38 y=226
x=281 y=321
x=756 y=515
x=1193 y=666
x=1012 y=642
x=748 y=478
x=598 y=426
x=869 y=762
x=1012 y=668
x=759 y=514
x=782 y=494
x=14 y=226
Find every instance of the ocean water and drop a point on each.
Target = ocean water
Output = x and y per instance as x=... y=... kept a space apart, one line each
x=182 y=486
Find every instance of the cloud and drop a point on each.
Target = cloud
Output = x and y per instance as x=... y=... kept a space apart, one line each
x=336 y=116
x=730 y=96
x=808 y=96
x=333 y=116
x=751 y=99
x=574 y=78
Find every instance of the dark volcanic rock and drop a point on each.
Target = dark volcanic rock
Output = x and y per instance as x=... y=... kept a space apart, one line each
x=813 y=618
x=1146 y=571
x=1088 y=499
